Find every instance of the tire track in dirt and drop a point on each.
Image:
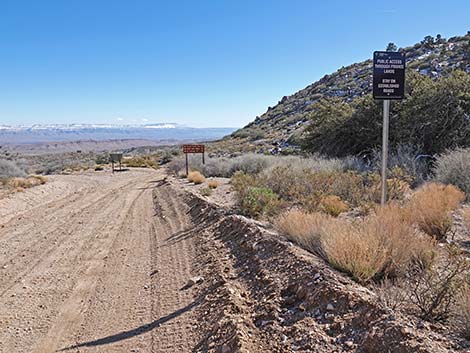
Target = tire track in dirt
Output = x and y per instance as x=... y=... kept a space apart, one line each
x=70 y=314
x=144 y=309
x=53 y=292
x=173 y=254
x=51 y=238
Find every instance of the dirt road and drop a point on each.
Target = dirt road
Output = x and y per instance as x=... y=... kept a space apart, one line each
x=86 y=265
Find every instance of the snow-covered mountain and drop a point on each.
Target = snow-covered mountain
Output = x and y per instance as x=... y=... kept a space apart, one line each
x=40 y=133
x=73 y=127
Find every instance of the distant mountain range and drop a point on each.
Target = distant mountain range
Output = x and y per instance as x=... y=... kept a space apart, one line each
x=58 y=133
x=74 y=127
x=280 y=126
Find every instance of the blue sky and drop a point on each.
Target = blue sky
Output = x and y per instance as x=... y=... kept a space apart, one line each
x=199 y=63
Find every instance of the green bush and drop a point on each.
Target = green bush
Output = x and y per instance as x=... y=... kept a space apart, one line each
x=260 y=201
x=250 y=133
x=241 y=182
x=206 y=191
x=433 y=115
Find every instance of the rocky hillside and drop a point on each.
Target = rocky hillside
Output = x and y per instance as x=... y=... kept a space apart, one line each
x=278 y=128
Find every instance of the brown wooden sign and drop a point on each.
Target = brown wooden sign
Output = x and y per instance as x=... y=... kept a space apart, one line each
x=193 y=148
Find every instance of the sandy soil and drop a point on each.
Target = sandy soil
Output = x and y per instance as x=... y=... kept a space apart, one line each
x=84 y=266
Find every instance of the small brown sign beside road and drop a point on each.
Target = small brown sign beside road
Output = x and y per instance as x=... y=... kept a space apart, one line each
x=193 y=149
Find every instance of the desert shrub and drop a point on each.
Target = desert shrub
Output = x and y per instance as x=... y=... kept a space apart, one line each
x=99 y=168
x=433 y=115
x=176 y=165
x=462 y=311
x=391 y=295
x=260 y=201
x=241 y=182
x=296 y=184
x=206 y=191
x=382 y=246
x=224 y=167
x=249 y=163
x=196 y=177
x=252 y=163
x=453 y=167
x=250 y=133
x=309 y=187
x=432 y=205
x=303 y=228
x=102 y=158
x=9 y=169
x=333 y=205
x=405 y=162
x=167 y=155
x=26 y=183
x=140 y=162
x=397 y=186
x=51 y=167
x=433 y=291
x=213 y=184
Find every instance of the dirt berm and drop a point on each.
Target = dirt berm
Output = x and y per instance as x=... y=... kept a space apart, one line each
x=261 y=293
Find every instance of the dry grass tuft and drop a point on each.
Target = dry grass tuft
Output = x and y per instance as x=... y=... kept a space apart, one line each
x=431 y=207
x=196 y=177
x=382 y=246
x=333 y=205
x=147 y=161
x=213 y=184
x=21 y=184
x=303 y=228
x=40 y=178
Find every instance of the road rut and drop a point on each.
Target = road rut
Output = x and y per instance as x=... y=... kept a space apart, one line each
x=97 y=267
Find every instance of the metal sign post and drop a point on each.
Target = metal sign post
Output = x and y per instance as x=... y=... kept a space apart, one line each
x=383 y=198
x=388 y=84
x=116 y=158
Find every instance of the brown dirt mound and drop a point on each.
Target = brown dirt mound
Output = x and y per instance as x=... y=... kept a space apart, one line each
x=263 y=294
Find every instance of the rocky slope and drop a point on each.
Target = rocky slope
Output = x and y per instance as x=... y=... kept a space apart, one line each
x=277 y=129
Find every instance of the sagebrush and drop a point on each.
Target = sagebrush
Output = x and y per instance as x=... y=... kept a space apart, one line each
x=381 y=246
x=453 y=167
x=10 y=169
x=431 y=206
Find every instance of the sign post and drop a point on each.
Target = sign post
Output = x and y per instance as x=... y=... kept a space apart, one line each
x=116 y=158
x=388 y=84
x=193 y=149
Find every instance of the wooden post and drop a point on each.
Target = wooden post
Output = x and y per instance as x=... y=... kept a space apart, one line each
x=187 y=167
x=203 y=161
